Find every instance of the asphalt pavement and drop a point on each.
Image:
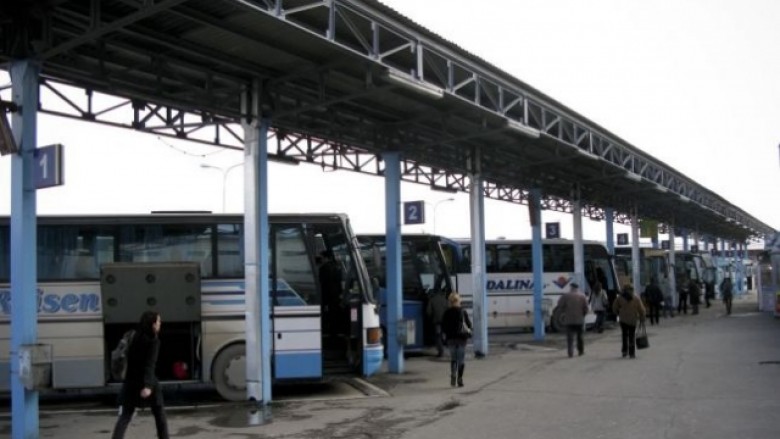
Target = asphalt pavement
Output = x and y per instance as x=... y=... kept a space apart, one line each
x=707 y=376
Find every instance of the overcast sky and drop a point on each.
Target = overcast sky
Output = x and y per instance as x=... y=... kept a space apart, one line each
x=694 y=83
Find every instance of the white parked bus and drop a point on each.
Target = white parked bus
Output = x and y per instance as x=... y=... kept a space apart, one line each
x=98 y=273
x=510 y=285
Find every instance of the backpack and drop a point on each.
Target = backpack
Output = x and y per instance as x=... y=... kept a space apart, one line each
x=119 y=356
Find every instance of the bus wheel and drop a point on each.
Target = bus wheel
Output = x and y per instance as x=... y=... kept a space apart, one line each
x=556 y=321
x=229 y=373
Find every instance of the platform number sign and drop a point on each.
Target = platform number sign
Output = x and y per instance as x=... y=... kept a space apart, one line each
x=48 y=166
x=552 y=230
x=414 y=212
x=622 y=238
x=665 y=244
x=695 y=248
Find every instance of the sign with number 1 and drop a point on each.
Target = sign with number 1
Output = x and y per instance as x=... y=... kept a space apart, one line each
x=48 y=166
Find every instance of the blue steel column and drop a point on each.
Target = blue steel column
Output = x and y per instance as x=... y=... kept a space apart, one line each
x=672 y=262
x=478 y=287
x=256 y=242
x=24 y=312
x=686 y=247
x=740 y=266
x=395 y=354
x=579 y=257
x=635 y=252
x=537 y=261
x=609 y=218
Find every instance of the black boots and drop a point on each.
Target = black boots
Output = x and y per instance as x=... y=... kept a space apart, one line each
x=453 y=369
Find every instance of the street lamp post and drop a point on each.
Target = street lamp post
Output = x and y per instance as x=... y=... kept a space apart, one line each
x=224 y=172
x=436 y=206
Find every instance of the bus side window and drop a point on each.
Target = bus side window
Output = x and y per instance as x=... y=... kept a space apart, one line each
x=230 y=259
x=294 y=274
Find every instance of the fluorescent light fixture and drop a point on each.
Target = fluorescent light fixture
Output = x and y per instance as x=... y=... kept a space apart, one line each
x=684 y=199
x=587 y=154
x=633 y=176
x=447 y=189
x=661 y=189
x=283 y=159
x=414 y=84
x=523 y=129
x=7 y=142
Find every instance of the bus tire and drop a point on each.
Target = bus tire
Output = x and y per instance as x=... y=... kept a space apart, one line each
x=556 y=321
x=229 y=372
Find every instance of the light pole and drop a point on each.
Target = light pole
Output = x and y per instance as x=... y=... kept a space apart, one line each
x=436 y=206
x=224 y=172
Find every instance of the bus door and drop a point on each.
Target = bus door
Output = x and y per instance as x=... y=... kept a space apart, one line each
x=297 y=315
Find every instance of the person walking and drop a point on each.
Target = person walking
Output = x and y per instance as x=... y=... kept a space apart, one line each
x=457 y=328
x=682 y=290
x=630 y=311
x=668 y=304
x=694 y=293
x=573 y=306
x=654 y=297
x=598 y=304
x=140 y=386
x=727 y=293
x=437 y=305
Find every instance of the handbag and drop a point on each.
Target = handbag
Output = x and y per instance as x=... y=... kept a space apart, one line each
x=641 y=337
x=464 y=331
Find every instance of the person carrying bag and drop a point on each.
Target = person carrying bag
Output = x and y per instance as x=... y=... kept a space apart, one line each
x=630 y=312
x=641 y=337
x=457 y=328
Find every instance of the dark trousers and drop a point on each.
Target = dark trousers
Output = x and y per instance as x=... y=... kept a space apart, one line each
x=682 y=307
x=571 y=330
x=654 y=309
x=727 y=302
x=457 y=360
x=126 y=412
x=599 y=325
x=668 y=307
x=439 y=339
x=628 y=333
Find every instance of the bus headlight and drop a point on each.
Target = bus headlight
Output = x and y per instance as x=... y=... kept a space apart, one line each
x=374 y=335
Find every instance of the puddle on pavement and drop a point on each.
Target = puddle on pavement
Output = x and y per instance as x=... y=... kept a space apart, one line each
x=243 y=416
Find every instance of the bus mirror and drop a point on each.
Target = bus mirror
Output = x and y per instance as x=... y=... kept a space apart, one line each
x=375 y=283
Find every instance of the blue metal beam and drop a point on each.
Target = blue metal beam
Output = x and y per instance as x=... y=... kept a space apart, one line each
x=395 y=352
x=24 y=310
x=537 y=263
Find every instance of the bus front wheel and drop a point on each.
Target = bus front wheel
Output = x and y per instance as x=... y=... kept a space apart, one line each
x=556 y=321
x=229 y=373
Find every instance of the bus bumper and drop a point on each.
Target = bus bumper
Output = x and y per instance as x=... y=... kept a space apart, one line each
x=372 y=359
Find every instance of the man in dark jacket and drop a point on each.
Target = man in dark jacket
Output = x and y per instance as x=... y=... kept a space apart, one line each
x=141 y=386
x=682 y=290
x=437 y=305
x=574 y=306
x=654 y=296
x=694 y=293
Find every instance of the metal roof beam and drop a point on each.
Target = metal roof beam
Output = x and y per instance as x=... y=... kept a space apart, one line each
x=99 y=29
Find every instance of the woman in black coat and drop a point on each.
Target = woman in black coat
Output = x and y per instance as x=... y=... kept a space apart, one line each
x=141 y=386
x=453 y=322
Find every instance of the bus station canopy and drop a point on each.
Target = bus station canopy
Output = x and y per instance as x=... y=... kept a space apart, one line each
x=342 y=82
